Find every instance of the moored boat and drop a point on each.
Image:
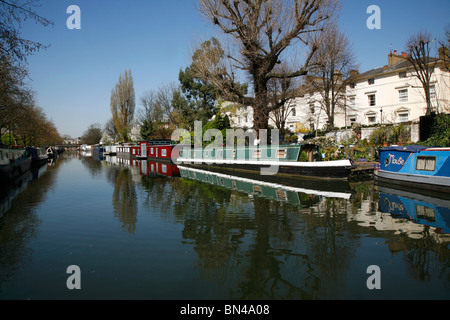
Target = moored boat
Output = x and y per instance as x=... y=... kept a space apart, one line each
x=38 y=156
x=128 y=151
x=415 y=166
x=13 y=163
x=279 y=160
x=158 y=150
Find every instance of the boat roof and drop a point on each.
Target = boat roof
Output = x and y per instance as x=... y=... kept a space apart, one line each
x=410 y=149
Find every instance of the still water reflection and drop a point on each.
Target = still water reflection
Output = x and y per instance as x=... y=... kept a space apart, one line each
x=143 y=230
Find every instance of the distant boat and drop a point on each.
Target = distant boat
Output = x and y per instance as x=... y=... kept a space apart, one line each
x=415 y=166
x=13 y=163
x=51 y=153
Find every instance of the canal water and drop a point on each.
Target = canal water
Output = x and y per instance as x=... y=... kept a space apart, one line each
x=135 y=234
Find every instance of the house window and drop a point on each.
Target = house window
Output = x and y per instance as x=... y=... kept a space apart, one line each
x=372 y=101
x=352 y=121
x=426 y=163
x=432 y=92
x=403 y=117
x=402 y=74
x=351 y=101
x=403 y=95
x=293 y=112
x=372 y=118
x=371 y=81
x=311 y=108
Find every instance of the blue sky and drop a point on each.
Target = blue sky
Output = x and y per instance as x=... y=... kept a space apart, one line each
x=74 y=77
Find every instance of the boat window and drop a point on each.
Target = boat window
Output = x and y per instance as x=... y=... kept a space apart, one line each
x=257 y=189
x=426 y=163
x=206 y=153
x=151 y=150
x=281 y=154
x=163 y=152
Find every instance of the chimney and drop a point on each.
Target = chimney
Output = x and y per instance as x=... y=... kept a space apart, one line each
x=354 y=73
x=393 y=58
x=443 y=54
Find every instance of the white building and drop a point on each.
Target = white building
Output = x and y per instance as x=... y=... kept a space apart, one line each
x=393 y=94
x=388 y=94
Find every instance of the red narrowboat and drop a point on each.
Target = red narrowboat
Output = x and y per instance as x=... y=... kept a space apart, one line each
x=160 y=150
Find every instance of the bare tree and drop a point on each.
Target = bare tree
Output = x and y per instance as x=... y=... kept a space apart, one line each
x=419 y=49
x=332 y=64
x=12 y=13
x=444 y=50
x=111 y=130
x=281 y=89
x=123 y=104
x=262 y=34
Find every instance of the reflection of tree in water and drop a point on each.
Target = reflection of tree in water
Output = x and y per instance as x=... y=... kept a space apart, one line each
x=258 y=248
x=95 y=167
x=425 y=257
x=18 y=226
x=125 y=200
x=247 y=243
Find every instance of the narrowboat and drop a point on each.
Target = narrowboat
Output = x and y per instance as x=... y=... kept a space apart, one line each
x=13 y=163
x=38 y=156
x=128 y=151
x=296 y=160
x=158 y=150
x=415 y=166
x=110 y=150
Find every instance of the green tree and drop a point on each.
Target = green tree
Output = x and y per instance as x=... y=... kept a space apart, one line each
x=92 y=135
x=440 y=134
x=123 y=104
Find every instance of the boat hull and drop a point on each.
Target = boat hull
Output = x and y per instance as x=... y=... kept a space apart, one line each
x=316 y=170
x=423 y=168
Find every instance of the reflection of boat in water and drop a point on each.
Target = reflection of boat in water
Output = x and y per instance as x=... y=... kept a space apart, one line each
x=420 y=209
x=417 y=166
x=159 y=168
x=254 y=187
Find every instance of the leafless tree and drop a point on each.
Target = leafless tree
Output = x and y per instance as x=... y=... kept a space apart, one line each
x=332 y=64
x=281 y=89
x=12 y=14
x=419 y=50
x=262 y=34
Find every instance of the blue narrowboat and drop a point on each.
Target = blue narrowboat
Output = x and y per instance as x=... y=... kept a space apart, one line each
x=415 y=166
